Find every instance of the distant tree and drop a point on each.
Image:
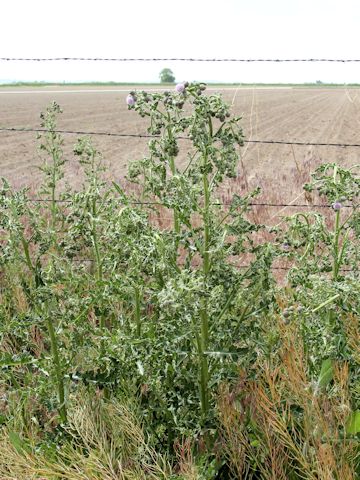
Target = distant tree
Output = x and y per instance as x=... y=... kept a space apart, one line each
x=166 y=76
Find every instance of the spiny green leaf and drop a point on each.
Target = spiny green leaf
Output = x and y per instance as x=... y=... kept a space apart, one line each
x=12 y=360
x=326 y=373
x=353 y=423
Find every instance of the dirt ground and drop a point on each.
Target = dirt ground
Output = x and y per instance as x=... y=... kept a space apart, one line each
x=288 y=114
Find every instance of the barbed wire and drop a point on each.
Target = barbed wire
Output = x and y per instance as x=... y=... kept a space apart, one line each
x=273 y=267
x=121 y=135
x=133 y=135
x=177 y=59
x=80 y=132
x=139 y=135
x=251 y=204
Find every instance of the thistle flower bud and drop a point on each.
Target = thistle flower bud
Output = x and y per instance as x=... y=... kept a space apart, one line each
x=336 y=205
x=130 y=100
x=180 y=87
x=286 y=316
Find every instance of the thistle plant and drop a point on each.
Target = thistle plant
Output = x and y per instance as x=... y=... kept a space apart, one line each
x=29 y=239
x=324 y=250
x=51 y=144
x=190 y=190
x=98 y=296
x=95 y=203
x=321 y=246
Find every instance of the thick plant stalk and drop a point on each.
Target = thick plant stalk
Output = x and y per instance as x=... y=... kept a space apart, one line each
x=53 y=195
x=99 y=270
x=204 y=316
x=99 y=273
x=337 y=229
x=204 y=367
x=26 y=249
x=175 y=213
x=336 y=263
x=55 y=155
x=173 y=172
x=58 y=372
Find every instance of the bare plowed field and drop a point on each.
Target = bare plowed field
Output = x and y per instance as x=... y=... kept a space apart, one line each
x=288 y=114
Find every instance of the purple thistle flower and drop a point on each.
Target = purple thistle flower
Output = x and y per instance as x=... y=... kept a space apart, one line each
x=286 y=246
x=180 y=87
x=336 y=205
x=130 y=100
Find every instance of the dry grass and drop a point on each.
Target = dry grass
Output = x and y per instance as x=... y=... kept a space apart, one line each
x=282 y=425
x=105 y=442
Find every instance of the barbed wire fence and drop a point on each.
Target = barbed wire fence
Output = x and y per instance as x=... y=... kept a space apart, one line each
x=133 y=135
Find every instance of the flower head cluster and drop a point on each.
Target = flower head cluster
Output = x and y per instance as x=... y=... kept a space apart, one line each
x=180 y=88
x=336 y=205
x=131 y=99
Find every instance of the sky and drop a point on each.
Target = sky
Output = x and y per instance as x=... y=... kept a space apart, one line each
x=181 y=28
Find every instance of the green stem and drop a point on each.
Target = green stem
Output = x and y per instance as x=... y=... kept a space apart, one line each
x=203 y=344
x=53 y=204
x=58 y=372
x=204 y=374
x=137 y=312
x=343 y=250
x=99 y=275
x=175 y=213
x=26 y=249
x=55 y=166
x=330 y=300
x=336 y=263
x=99 y=271
x=206 y=254
x=173 y=172
x=336 y=236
